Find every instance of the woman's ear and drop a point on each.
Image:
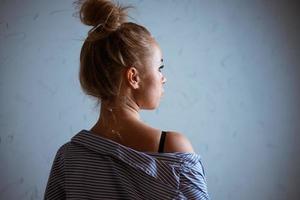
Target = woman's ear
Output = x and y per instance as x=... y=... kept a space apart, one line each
x=133 y=78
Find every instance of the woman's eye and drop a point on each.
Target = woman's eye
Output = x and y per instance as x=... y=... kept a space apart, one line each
x=159 y=69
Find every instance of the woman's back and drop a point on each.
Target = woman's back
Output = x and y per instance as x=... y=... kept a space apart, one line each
x=93 y=167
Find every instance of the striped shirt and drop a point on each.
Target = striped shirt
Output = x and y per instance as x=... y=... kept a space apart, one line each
x=94 y=167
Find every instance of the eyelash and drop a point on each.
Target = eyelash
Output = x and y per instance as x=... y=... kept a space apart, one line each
x=159 y=69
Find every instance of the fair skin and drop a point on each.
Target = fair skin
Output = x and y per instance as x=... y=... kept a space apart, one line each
x=120 y=120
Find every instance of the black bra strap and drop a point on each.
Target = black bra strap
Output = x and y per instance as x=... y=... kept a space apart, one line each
x=162 y=142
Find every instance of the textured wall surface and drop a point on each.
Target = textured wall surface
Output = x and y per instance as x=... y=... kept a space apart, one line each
x=233 y=89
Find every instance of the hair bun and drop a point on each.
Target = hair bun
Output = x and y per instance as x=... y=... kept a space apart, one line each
x=102 y=13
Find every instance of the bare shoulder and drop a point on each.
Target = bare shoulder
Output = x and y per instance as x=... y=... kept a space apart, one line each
x=177 y=142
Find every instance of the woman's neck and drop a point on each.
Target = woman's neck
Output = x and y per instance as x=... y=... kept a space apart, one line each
x=114 y=116
x=122 y=109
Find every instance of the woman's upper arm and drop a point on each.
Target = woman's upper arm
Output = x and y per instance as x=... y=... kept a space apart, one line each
x=192 y=178
x=193 y=183
x=55 y=184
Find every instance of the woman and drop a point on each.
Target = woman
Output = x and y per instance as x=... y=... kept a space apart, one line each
x=120 y=65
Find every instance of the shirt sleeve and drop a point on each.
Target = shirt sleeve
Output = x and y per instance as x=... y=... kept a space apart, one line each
x=55 y=184
x=193 y=182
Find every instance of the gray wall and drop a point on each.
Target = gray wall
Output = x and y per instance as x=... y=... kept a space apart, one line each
x=233 y=89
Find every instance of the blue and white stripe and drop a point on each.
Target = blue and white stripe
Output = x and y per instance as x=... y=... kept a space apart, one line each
x=93 y=167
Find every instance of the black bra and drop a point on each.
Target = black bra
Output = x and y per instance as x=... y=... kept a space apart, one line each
x=162 y=141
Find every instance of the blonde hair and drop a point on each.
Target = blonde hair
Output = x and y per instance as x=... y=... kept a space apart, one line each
x=111 y=45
